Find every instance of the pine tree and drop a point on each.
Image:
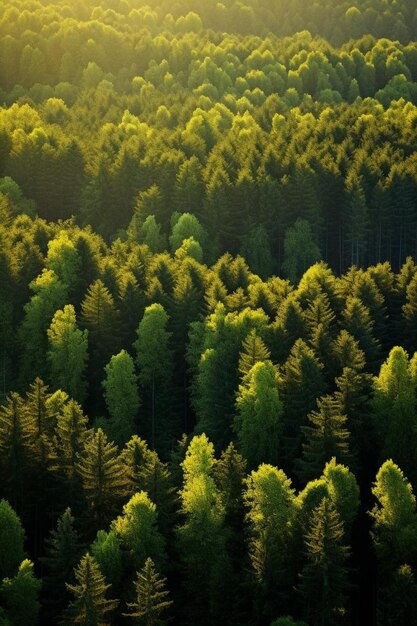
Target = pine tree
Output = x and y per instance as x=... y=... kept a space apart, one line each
x=302 y=383
x=16 y=449
x=103 y=477
x=229 y=473
x=62 y=553
x=121 y=396
x=271 y=513
x=106 y=550
x=326 y=437
x=202 y=536
x=11 y=540
x=151 y=597
x=395 y=518
x=154 y=361
x=324 y=577
x=258 y=421
x=72 y=433
x=90 y=607
x=68 y=348
x=254 y=350
x=138 y=531
x=99 y=316
x=20 y=596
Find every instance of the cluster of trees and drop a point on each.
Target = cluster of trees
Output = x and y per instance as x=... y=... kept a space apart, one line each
x=126 y=23
x=174 y=433
x=237 y=548
x=208 y=313
x=248 y=135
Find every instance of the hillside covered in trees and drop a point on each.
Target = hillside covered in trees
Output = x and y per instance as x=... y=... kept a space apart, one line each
x=208 y=313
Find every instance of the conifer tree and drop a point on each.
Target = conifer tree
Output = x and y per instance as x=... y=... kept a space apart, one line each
x=90 y=607
x=68 y=351
x=11 y=540
x=201 y=536
x=121 y=396
x=20 y=596
x=229 y=473
x=270 y=517
x=62 y=553
x=99 y=316
x=324 y=577
x=106 y=550
x=103 y=478
x=154 y=361
x=302 y=384
x=138 y=530
x=258 y=421
x=254 y=350
x=326 y=437
x=16 y=448
x=72 y=433
x=395 y=518
x=151 y=597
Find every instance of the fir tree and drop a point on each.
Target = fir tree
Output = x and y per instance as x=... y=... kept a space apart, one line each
x=90 y=607
x=20 y=596
x=103 y=478
x=254 y=350
x=62 y=553
x=324 y=577
x=326 y=437
x=151 y=597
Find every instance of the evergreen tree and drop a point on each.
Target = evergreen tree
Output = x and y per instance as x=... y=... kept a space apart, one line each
x=11 y=540
x=90 y=607
x=121 y=395
x=395 y=518
x=62 y=553
x=302 y=383
x=259 y=415
x=106 y=550
x=254 y=350
x=150 y=597
x=326 y=437
x=68 y=348
x=71 y=435
x=103 y=478
x=154 y=361
x=202 y=537
x=20 y=596
x=16 y=449
x=324 y=577
x=138 y=531
x=271 y=513
x=99 y=316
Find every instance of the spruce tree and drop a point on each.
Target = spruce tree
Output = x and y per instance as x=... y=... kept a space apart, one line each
x=16 y=449
x=20 y=596
x=103 y=478
x=11 y=540
x=326 y=437
x=68 y=353
x=253 y=351
x=258 y=422
x=121 y=396
x=324 y=577
x=90 y=607
x=154 y=360
x=271 y=510
x=137 y=529
x=151 y=597
x=62 y=553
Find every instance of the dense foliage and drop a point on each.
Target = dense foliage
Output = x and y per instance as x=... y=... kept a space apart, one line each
x=208 y=309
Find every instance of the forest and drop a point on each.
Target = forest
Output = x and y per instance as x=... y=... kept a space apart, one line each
x=208 y=313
